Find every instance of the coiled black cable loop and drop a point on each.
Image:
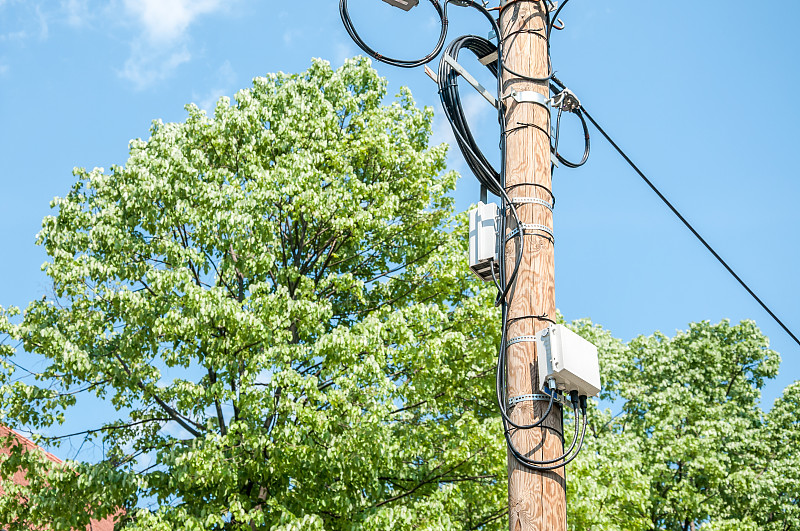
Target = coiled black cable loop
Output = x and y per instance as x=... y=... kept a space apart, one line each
x=552 y=464
x=402 y=63
x=556 y=88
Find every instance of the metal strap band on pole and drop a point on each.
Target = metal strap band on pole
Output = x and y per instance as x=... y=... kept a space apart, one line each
x=536 y=397
x=521 y=339
x=531 y=200
x=532 y=226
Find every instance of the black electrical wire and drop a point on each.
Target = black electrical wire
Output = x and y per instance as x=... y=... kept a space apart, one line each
x=544 y=465
x=402 y=63
x=489 y=178
x=447 y=81
x=547 y=23
x=554 y=19
x=689 y=226
x=587 y=140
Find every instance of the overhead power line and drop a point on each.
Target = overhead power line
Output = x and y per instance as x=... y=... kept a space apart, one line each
x=689 y=226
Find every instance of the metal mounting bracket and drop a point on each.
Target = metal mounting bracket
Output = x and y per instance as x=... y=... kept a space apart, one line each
x=471 y=80
x=530 y=96
x=405 y=5
x=550 y=5
x=487 y=59
x=536 y=397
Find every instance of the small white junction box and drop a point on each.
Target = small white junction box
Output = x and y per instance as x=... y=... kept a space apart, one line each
x=567 y=358
x=483 y=240
x=403 y=4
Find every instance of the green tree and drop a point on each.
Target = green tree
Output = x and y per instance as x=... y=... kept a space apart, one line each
x=689 y=447
x=274 y=301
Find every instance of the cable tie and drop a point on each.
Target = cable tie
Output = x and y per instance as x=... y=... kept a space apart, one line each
x=542 y=317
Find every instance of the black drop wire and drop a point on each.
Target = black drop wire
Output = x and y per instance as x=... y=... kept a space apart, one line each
x=689 y=226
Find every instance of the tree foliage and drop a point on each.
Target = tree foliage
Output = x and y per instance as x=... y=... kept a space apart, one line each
x=274 y=301
x=688 y=446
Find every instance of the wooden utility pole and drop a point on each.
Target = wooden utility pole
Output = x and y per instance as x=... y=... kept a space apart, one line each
x=537 y=500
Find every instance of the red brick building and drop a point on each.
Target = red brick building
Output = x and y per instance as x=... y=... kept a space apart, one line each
x=19 y=478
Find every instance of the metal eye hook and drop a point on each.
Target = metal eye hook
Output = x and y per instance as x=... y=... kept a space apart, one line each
x=556 y=26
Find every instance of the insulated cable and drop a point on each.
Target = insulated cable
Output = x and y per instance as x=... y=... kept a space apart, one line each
x=553 y=464
x=688 y=225
x=402 y=63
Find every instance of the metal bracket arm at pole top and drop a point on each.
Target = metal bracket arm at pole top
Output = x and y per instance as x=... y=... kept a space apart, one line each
x=471 y=80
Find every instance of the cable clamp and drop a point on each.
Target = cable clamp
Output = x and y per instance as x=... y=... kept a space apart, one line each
x=529 y=96
x=536 y=397
x=532 y=226
x=521 y=339
x=531 y=201
x=566 y=100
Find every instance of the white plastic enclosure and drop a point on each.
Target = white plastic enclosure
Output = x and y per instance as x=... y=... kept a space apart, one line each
x=567 y=358
x=483 y=240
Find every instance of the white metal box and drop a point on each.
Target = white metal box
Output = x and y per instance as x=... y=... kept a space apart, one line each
x=569 y=359
x=483 y=240
x=403 y=4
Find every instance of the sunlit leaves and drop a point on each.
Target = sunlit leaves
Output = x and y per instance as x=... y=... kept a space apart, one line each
x=274 y=300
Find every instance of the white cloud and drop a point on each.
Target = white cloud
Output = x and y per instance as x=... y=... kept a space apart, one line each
x=167 y=20
x=23 y=22
x=163 y=44
x=76 y=12
x=173 y=429
x=343 y=50
x=3 y=69
x=477 y=112
x=226 y=78
x=147 y=65
x=44 y=30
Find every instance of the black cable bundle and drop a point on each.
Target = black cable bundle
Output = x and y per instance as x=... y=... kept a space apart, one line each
x=451 y=102
x=494 y=181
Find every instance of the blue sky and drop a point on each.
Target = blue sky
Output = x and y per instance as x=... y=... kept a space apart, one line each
x=702 y=99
